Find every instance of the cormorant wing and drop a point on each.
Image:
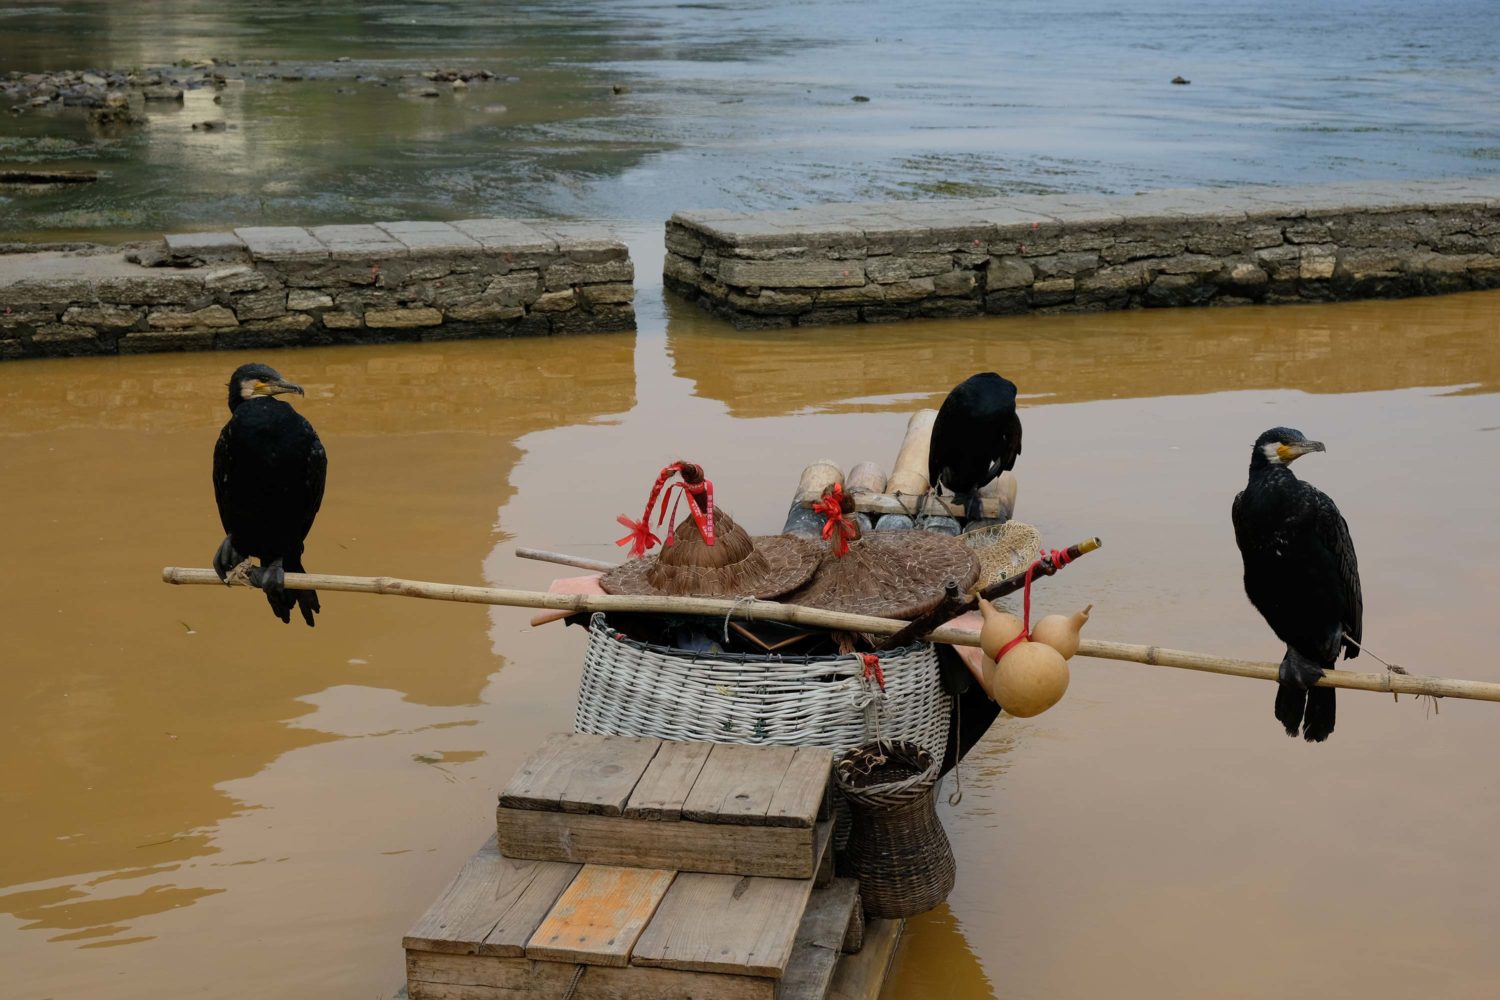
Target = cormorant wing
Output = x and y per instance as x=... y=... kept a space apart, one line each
x=1332 y=536
x=223 y=472
x=317 y=475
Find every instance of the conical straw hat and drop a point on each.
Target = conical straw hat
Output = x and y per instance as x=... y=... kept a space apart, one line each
x=736 y=565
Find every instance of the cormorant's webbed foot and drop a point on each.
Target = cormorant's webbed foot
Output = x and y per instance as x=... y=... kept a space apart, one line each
x=271 y=578
x=226 y=559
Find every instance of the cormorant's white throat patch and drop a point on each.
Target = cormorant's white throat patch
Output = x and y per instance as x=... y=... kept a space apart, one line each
x=1272 y=451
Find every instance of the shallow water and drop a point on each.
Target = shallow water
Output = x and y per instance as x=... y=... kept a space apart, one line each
x=740 y=105
x=212 y=802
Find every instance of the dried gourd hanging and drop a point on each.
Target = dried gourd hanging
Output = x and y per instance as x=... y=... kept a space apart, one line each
x=1029 y=678
x=1061 y=631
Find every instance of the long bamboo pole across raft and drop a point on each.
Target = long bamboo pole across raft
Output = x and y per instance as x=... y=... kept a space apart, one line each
x=1438 y=687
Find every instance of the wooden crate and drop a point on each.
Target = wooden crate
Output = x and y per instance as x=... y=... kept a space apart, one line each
x=510 y=929
x=647 y=803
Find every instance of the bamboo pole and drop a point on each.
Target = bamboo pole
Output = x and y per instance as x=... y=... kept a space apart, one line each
x=563 y=559
x=1438 y=687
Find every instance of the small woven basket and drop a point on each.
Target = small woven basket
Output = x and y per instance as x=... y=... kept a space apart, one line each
x=1004 y=550
x=897 y=848
x=632 y=688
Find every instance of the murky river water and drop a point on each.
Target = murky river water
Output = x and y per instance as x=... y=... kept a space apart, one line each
x=201 y=801
x=204 y=801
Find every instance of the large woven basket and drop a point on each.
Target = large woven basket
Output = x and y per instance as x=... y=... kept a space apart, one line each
x=897 y=848
x=631 y=688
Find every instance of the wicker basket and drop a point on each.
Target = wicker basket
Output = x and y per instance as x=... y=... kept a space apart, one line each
x=632 y=688
x=897 y=848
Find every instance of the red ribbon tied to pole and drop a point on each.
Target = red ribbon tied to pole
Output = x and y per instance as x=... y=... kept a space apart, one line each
x=700 y=497
x=838 y=526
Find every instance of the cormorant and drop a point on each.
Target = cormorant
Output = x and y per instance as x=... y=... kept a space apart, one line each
x=976 y=436
x=1301 y=575
x=269 y=470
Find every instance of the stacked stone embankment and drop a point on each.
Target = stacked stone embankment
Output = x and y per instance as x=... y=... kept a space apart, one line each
x=276 y=286
x=1079 y=253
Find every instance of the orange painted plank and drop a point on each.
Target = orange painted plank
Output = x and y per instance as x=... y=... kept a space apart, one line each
x=599 y=916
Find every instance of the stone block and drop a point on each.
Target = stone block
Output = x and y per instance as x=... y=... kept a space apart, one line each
x=683 y=242
x=616 y=294
x=1260 y=237
x=772 y=303
x=567 y=274
x=1179 y=290
x=233 y=278
x=1283 y=263
x=519 y=288
x=1245 y=274
x=103 y=317
x=791 y=274
x=302 y=299
x=280 y=243
x=549 y=302
x=325 y=274
x=483 y=311
x=341 y=321
x=1008 y=272
x=1112 y=282
x=1361 y=265
x=205 y=246
x=886 y=269
x=506 y=236
x=1063 y=265
x=210 y=317
x=1195 y=263
x=178 y=288
x=949 y=308
x=359 y=242
x=1217 y=241
x=955 y=283
x=402 y=319
x=913 y=290
x=1308 y=231
x=863 y=295
x=1143 y=248
x=431 y=238
x=1318 y=262
x=1052 y=291
x=261 y=305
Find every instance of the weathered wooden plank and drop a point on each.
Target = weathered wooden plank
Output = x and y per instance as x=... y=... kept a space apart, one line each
x=580 y=773
x=822 y=848
x=798 y=798
x=772 y=851
x=669 y=777
x=599 y=916
x=492 y=907
x=861 y=976
x=926 y=503
x=737 y=784
x=470 y=977
x=820 y=938
x=725 y=923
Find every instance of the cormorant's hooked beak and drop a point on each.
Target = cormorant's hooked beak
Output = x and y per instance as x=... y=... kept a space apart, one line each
x=1289 y=453
x=276 y=387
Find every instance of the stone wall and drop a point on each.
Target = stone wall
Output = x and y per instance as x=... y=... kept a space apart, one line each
x=1080 y=253
x=263 y=287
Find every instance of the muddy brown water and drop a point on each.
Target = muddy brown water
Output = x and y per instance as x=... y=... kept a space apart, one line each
x=203 y=801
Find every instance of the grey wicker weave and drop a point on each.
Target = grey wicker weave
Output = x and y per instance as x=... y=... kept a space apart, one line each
x=897 y=848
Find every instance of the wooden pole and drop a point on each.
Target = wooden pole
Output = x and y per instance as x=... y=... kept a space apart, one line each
x=1438 y=687
x=563 y=559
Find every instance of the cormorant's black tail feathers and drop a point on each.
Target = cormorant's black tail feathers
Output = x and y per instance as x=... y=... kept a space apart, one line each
x=1290 y=702
x=1300 y=704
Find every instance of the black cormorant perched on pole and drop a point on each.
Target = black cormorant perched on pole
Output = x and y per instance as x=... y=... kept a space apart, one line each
x=976 y=436
x=1301 y=574
x=269 y=470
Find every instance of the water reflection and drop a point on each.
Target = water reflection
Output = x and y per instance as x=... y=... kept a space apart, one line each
x=1360 y=347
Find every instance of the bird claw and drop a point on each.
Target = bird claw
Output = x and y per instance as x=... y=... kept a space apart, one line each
x=270 y=578
x=226 y=559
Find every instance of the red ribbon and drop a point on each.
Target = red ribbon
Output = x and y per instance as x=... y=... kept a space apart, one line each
x=872 y=669
x=1056 y=560
x=837 y=526
x=700 y=494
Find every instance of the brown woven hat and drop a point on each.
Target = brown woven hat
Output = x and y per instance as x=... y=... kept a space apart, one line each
x=1004 y=550
x=736 y=565
x=889 y=574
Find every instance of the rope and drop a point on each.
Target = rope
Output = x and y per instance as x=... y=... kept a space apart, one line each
x=1393 y=668
x=958 y=756
x=1054 y=560
x=751 y=599
x=573 y=984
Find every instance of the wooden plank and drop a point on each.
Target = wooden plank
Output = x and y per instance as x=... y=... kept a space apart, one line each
x=822 y=848
x=861 y=976
x=737 y=784
x=820 y=939
x=470 y=977
x=725 y=923
x=669 y=777
x=599 y=916
x=772 y=851
x=798 y=798
x=492 y=907
x=580 y=773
